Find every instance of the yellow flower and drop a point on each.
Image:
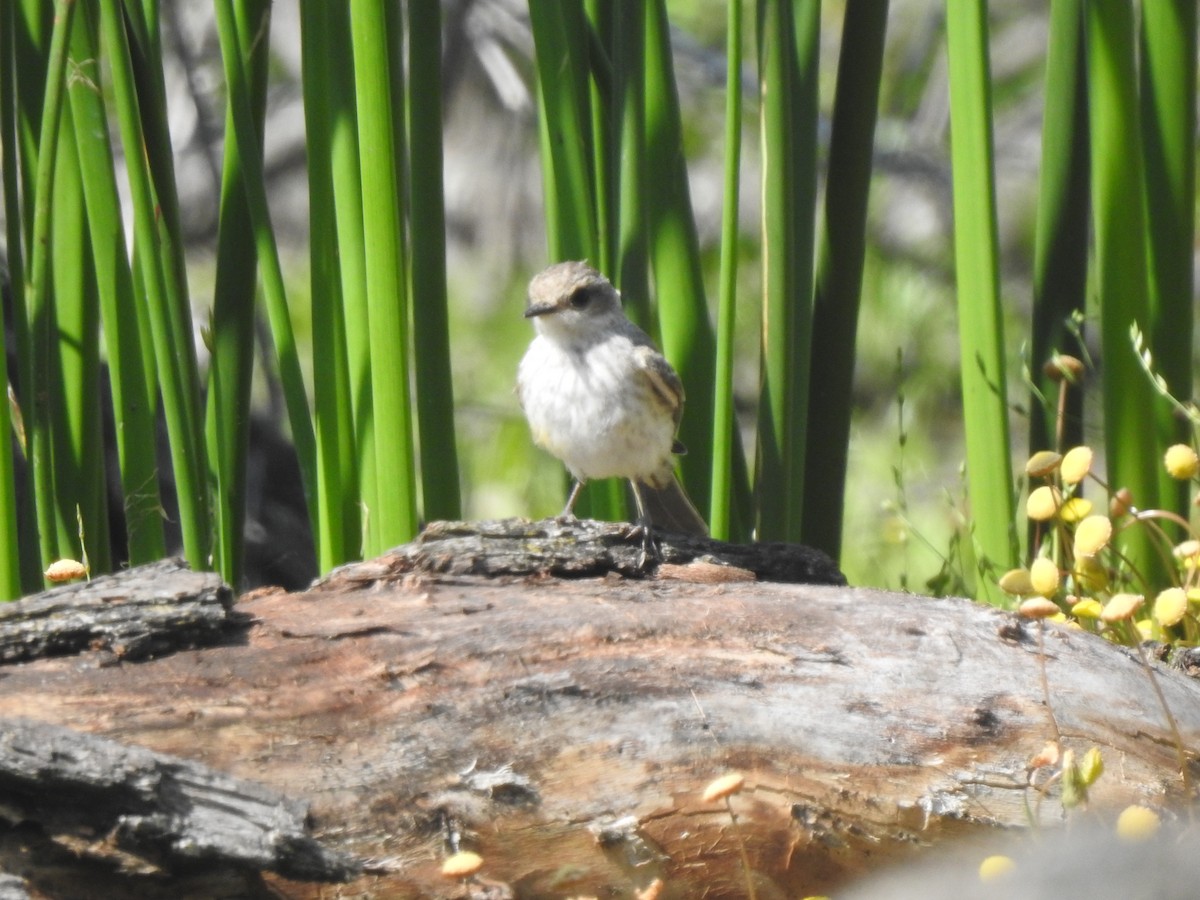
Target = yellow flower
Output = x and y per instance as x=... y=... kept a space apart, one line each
x=995 y=867
x=1044 y=576
x=1170 y=606
x=722 y=787
x=1016 y=582
x=1076 y=465
x=1121 y=607
x=1042 y=463
x=1137 y=823
x=1039 y=608
x=1074 y=509
x=64 y=570
x=463 y=864
x=1181 y=461
x=1087 y=608
x=1043 y=503
x=1092 y=535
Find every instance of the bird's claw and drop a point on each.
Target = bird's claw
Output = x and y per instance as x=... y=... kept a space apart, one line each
x=651 y=552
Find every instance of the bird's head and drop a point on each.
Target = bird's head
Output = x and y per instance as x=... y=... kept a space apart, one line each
x=570 y=300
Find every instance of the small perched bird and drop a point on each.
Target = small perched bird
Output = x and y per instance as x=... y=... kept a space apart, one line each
x=600 y=397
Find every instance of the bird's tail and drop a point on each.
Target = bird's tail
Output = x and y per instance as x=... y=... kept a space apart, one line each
x=670 y=509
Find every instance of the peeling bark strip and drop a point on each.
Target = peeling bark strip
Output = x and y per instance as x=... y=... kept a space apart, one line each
x=578 y=548
x=174 y=813
x=135 y=614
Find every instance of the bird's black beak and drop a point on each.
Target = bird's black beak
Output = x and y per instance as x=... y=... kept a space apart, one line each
x=540 y=309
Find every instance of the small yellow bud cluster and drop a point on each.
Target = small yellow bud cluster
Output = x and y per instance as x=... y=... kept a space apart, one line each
x=1077 y=575
x=1057 y=507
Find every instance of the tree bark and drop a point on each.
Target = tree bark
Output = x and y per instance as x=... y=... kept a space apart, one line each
x=565 y=729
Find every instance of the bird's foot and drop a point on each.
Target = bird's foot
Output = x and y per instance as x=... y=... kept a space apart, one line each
x=651 y=554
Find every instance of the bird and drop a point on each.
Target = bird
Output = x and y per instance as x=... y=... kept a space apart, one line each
x=600 y=396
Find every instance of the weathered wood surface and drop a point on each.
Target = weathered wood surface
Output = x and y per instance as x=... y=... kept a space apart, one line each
x=132 y=615
x=164 y=810
x=578 y=548
x=565 y=729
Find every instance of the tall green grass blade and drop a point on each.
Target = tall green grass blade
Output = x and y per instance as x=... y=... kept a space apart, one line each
x=631 y=266
x=1060 y=249
x=159 y=259
x=720 y=518
x=839 y=273
x=394 y=518
x=337 y=529
x=231 y=337
x=431 y=338
x=1121 y=276
x=31 y=36
x=563 y=125
x=687 y=335
x=39 y=294
x=980 y=326
x=777 y=85
x=606 y=109
x=18 y=555
x=79 y=467
x=1168 y=117
x=805 y=117
x=358 y=471
x=250 y=157
x=133 y=400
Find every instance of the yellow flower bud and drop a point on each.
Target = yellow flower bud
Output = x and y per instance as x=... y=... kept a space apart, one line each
x=1016 y=582
x=995 y=867
x=1043 y=503
x=1087 y=608
x=1042 y=463
x=1075 y=509
x=1137 y=823
x=64 y=570
x=723 y=787
x=1092 y=535
x=1121 y=607
x=1038 y=608
x=463 y=864
x=1076 y=464
x=1044 y=576
x=1170 y=606
x=1181 y=461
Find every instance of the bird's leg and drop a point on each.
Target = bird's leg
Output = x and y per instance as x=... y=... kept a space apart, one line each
x=649 y=548
x=568 y=514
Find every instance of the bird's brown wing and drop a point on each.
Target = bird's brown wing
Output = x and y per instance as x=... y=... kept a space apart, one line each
x=662 y=379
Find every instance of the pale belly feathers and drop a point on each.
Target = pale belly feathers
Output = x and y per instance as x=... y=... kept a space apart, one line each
x=603 y=420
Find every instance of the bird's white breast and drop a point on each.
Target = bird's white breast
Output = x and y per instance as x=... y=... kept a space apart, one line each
x=594 y=409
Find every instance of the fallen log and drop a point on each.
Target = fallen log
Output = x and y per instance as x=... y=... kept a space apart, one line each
x=153 y=609
x=565 y=729
x=169 y=812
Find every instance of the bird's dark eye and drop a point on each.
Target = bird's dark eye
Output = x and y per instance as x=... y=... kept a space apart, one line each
x=581 y=298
